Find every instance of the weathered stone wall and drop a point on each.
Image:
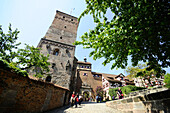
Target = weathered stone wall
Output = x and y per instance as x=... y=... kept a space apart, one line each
x=157 y=101
x=20 y=94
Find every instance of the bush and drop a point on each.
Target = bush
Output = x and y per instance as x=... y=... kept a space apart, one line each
x=125 y=90
x=167 y=80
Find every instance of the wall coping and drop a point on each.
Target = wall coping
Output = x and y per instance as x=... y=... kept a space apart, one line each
x=33 y=79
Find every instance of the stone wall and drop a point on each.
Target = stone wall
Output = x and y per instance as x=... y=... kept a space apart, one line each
x=20 y=94
x=157 y=102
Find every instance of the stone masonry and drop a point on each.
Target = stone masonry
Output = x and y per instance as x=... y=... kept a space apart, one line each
x=156 y=100
x=58 y=43
x=19 y=94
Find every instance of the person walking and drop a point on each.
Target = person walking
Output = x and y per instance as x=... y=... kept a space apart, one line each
x=76 y=99
x=120 y=94
x=80 y=99
x=72 y=99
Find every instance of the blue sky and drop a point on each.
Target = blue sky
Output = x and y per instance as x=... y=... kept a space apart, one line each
x=33 y=18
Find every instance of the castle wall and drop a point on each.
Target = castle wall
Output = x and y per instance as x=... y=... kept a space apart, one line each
x=20 y=94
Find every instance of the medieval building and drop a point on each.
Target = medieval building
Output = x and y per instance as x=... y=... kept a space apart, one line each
x=65 y=69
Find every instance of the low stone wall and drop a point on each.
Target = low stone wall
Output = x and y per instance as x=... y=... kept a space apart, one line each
x=20 y=94
x=158 y=102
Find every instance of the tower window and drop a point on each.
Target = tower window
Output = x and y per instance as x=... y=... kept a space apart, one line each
x=63 y=16
x=48 y=48
x=61 y=37
x=68 y=53
x=56 y=52
x=85 y=74
x=48 y=79
x=53 y=65
x=65 y=26
x=71 y=19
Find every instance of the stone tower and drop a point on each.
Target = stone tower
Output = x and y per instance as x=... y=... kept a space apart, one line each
x=58 y=43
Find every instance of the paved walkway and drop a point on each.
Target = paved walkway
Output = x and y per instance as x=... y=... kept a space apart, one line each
x=88 y=107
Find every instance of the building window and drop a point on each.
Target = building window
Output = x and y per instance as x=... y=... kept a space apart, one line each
x=82 y=66
x=68 y=53
x=56 y=52
x=63 y=16
x=65 y=26
x=48 y=79
x=53 y=65
x=88 y=66
x=48 y=48
x=96 y=76
x=107 y=84
x=85 y=74
x=61 y=37
x=71 y=19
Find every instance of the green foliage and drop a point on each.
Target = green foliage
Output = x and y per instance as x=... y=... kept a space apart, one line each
x=28 y=58
x=167 y=80
x=137 y=28
x=31 y=57
x=99 y=91
x=143 y=71
x=133 y=71
x=10 y=67
x=125 y=90
x=8 y=43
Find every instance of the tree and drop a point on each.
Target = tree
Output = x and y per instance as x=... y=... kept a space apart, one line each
x=99 y=91
x=8 y=44
x=28 y=58
x=141 y=71
x=133 y=71
x=167 y=80
x=139 y=28
x=31 y=58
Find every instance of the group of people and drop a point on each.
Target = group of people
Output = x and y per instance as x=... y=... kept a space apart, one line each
x=76 y=99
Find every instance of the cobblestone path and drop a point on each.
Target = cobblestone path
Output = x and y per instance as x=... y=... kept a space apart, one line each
x=88 y=107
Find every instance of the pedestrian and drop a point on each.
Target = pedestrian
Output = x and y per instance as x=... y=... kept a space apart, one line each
x=72 y=100
x=113 y=97
x=76 y=99
x=120 y=94
x=80 y=99
x=97 y=98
